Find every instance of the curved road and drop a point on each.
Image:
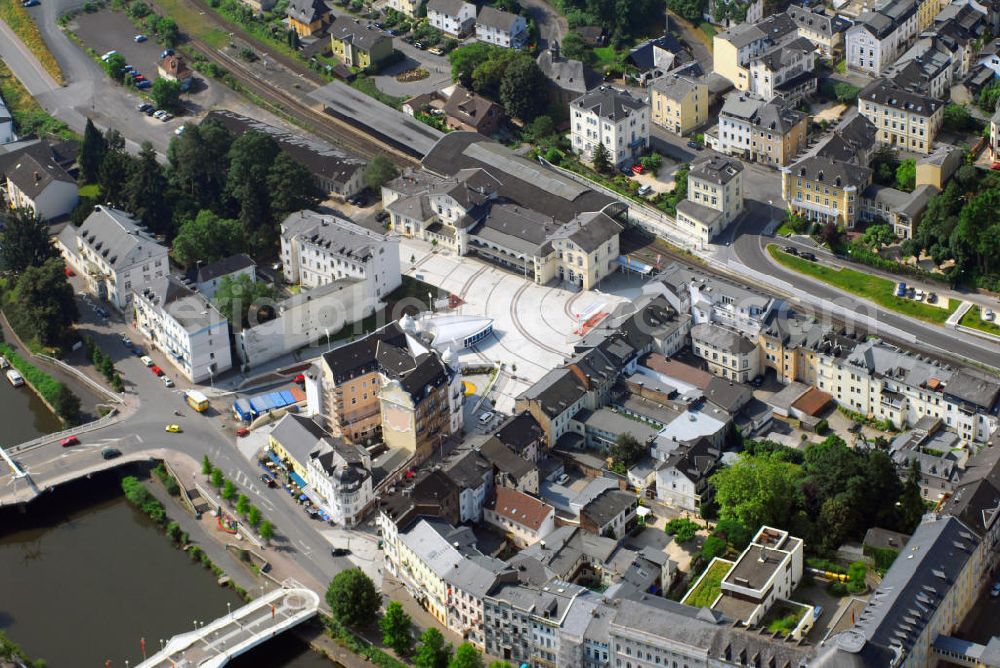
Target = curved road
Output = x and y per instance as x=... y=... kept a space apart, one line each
x=749 y=250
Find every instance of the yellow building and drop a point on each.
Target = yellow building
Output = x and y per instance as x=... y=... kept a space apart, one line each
x=726 y=48
x=307 y=17
x=356 y=46
x=680 y=103
x=936 y=168
x=293 y=438
x=904 y=120
x=414 y=409
x=825 y=190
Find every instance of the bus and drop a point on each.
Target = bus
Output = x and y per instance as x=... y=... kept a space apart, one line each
x=197 y=400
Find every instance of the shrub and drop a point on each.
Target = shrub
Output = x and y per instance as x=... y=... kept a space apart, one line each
x=140 y=497
x=682 y=530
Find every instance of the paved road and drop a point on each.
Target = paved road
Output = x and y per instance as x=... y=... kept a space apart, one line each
x=694 y=39
x=552 y=25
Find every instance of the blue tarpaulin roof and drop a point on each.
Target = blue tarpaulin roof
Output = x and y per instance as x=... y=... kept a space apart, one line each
x=242 y=409
x=297 y=479
x=287 y=397
x=274 y=457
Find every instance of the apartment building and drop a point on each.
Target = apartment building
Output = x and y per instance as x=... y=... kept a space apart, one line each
x=611 y=117
x=879 y=36
x=902 y=210
x=322 y=249
x=356 y=46
x=904 y=120
x=500 y=28
x=727 y=354
x=37 y=182
x=679 y=102
x=735 y=49
x=308 y=17
x=453 y=17
x=475 y=196
x=553 y=401
x=824 y=31
x=771 y=133
x=114 y=254
x=927 y=68
x=682 y=479
x=786 y=71
x=411 y=8
x=714 y=197
x=522 y=518
x=207 y=278
x=521 y=623
x=825 y=190
x=185 y=326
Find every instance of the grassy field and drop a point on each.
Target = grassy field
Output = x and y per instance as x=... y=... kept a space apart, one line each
x=17 y=17
x=190 y=21
x=29 y=117
x=91 y=190
x=367 y=86
x=973 y=318
x=605 y=56
x=873 y=288
x=708 y=29
x=709 y=586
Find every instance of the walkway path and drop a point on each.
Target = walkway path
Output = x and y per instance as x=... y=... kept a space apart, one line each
x=956 y=317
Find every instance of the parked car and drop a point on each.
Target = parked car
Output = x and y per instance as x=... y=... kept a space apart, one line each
x=30 y=3
x=139 y=38
x=644 y=190
x=695 y=145
x=69 y=440
x=156 y=370
x=242 y=431
x=166 y=52
x=638 y=169
x=340 y=552
x=268 y=480
x=159 y=113
x=931 y=298
x=145 y=359
x=563 y=479
x=808 y=256
x=111 y=453
x=127 y=342
x=791 y=250
x=143 y=85
x=167 y=381
x=143 y=106
x=300 y=379
x=173 y=428
x=485 y=417
x=180 y=130
x=107 y=55
x=150 y=111
x=901 y=289
x=137 y=351
x=166 y=114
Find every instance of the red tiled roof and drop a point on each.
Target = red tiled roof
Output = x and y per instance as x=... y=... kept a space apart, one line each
x=679 y=370
x=520 y=508
x=812 y=402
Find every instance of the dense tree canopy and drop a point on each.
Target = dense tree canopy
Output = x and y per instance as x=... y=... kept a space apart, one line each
x=380 y=171
x=353 y=598
x=622 y=20
x=42 y=303
x=25 y=241
x=433 y=651
x=208 y=238
x=396 y=627
x=146 y=191
x=243 y=301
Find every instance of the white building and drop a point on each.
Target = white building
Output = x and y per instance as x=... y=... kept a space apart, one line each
x=611 y=117
x=318 y=249
x=523 y=518
x=714 y=197
x=115 y=255
x=38 y=183
x=495 y=26
x=454 y=17
x=727 y=353
x=340 y=473
x=682 y=478
x=185 y=326
x=209 y=277
x=787 y=71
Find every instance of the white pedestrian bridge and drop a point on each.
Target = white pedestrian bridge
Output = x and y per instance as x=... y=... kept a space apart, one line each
x=214 y=644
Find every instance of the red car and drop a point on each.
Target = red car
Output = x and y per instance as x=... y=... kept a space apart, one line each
x=995 y=165
x=69 y=440
x=157 y=370
x=242 y=431
x=300 y=379
x=637 y=168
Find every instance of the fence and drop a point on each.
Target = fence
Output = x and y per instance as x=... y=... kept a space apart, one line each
x=82 y=376
x=244 y=530
x=108 y=419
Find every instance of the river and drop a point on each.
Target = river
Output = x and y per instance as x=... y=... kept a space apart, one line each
x=84 y=575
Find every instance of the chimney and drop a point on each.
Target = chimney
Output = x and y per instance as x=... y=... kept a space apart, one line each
x=555 y=50
x=38 y=177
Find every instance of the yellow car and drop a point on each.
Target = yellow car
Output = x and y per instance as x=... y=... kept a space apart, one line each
x=174 y=428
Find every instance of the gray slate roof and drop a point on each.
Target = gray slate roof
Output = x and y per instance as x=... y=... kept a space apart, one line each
x=608 y=103
x=496 y=18
x=116 y=236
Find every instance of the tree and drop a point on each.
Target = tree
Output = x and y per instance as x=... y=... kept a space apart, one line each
x=353 y=598
x=522 y=88
x=757 y=490
x=166 y=94
x=206 y=466
x=501 y=664
x=573 y=47
x=208 y=238
x=253 y=516
x=199 y=162
x=291 y=186
x=115 y=67
x=542 y=128
x=42 y=303
x=465 y=59
x=250 y=158
x=66 y=404
x=626 y=450
x=228 y=490
x=906 y=175
x=244 y=302
x=25 y=242
x=243 y=505
x=911 y=502
x=379 y=172
x=601 y=160
x=146 y=191
x=217 y=478
x=433 y=651
x=115 y=169
x=878 y=235
x=266 y=530
x=466 y=656
x=396 y=628
x=688 y=9
x=92 y=150
x=168 y=31
x=958 y=119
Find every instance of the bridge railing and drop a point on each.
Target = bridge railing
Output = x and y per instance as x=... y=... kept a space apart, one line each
x=82 y=376
x=99 y=423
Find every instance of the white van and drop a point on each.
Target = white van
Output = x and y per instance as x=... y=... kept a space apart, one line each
x=485 y=418
x=147 y=360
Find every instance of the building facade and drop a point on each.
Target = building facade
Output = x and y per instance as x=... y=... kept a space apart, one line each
x=613 y=118
x=904 y=120
x=679 y=102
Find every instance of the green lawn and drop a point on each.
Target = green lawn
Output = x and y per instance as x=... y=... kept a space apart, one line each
x=707 y=28
x=605 y=56
x=91 y=190
x=974 y=318
x=784 y=230
x=783 y=618
x=707 y=590
x=873 y=288
x=29 y=116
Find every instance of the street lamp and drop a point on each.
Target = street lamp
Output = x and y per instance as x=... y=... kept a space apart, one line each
x=328 y=343
x=430 y=302
x=211 y=376
x=229 y=607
